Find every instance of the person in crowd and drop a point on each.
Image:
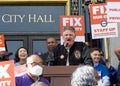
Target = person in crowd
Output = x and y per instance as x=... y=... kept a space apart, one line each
x=102 y=69
x=84 y=76
x=20 y=56
x=4 y=55
x=117 y=53
x=102 y=57
x=112 y=73
x=71 y=52
x=39 y=84
x=111 y=69
x=34 y=72
x=47 y=57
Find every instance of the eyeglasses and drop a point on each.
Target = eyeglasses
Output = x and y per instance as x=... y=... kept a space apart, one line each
x=35 y=63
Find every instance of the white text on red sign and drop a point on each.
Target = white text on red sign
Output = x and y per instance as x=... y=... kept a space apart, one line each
x=99 y=9
x=72 y=21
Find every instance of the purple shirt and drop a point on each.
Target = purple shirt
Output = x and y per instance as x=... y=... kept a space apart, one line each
x=25 y=80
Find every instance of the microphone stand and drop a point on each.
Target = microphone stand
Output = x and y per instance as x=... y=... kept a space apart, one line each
x=67 y=48
x=49 y=59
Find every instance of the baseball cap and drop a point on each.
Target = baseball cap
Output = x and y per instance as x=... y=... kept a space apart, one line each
x=38 y=53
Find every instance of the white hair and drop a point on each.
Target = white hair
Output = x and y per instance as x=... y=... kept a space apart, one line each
x=83 y=76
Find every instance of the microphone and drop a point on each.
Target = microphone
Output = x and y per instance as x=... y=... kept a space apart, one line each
x=66 y=45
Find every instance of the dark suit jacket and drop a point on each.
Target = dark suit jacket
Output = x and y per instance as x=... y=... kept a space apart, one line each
x=78 y=54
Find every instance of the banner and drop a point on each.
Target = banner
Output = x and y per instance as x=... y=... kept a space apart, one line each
x=2 y=43
x=75 y=21
x=99 y=26
x=113 y=10
x=7 y=73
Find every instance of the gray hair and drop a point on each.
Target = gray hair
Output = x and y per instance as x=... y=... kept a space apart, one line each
x=69 y=28
x=83 y=76
x=39 y=84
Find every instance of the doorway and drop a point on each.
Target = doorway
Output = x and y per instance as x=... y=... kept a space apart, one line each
x=33 y=42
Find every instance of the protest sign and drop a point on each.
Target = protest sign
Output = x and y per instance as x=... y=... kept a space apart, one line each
x=2 y=43
x=7 y=77
x=113 y=10
x=75 y=21
x=99 y=26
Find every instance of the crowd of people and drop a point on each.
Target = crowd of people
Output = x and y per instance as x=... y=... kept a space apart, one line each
x=93 y=69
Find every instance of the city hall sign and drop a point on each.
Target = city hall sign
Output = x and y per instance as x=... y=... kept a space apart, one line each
x=40 y=18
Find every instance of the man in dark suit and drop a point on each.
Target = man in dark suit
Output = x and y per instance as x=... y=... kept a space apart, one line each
x=71 y=52
x=47 y=57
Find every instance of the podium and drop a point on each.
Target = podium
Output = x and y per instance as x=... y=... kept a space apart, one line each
x=59 y=75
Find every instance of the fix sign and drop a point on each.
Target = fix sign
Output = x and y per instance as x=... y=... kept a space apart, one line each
x=2 y=42
x=7 y=73
x=99 y=26
x=75 y=21
x=113 y=10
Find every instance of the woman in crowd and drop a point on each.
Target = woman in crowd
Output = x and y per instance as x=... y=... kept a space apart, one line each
x=100 y=68
x=20 y=56
x=84 y=76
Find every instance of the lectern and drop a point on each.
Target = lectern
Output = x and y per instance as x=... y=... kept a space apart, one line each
x=59 y=75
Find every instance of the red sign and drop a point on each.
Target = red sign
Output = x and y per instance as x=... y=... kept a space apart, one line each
x=75 y=21
x=99 y=26
x=7 y=73
x=2 y=42
x=113 y=0
x=98 y=13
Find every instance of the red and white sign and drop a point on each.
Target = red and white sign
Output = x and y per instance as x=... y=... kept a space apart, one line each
x=2 y=43
x=99 y=26
x=20 y=70
x=113 y=10
x=75 y=21
x=7 y=73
